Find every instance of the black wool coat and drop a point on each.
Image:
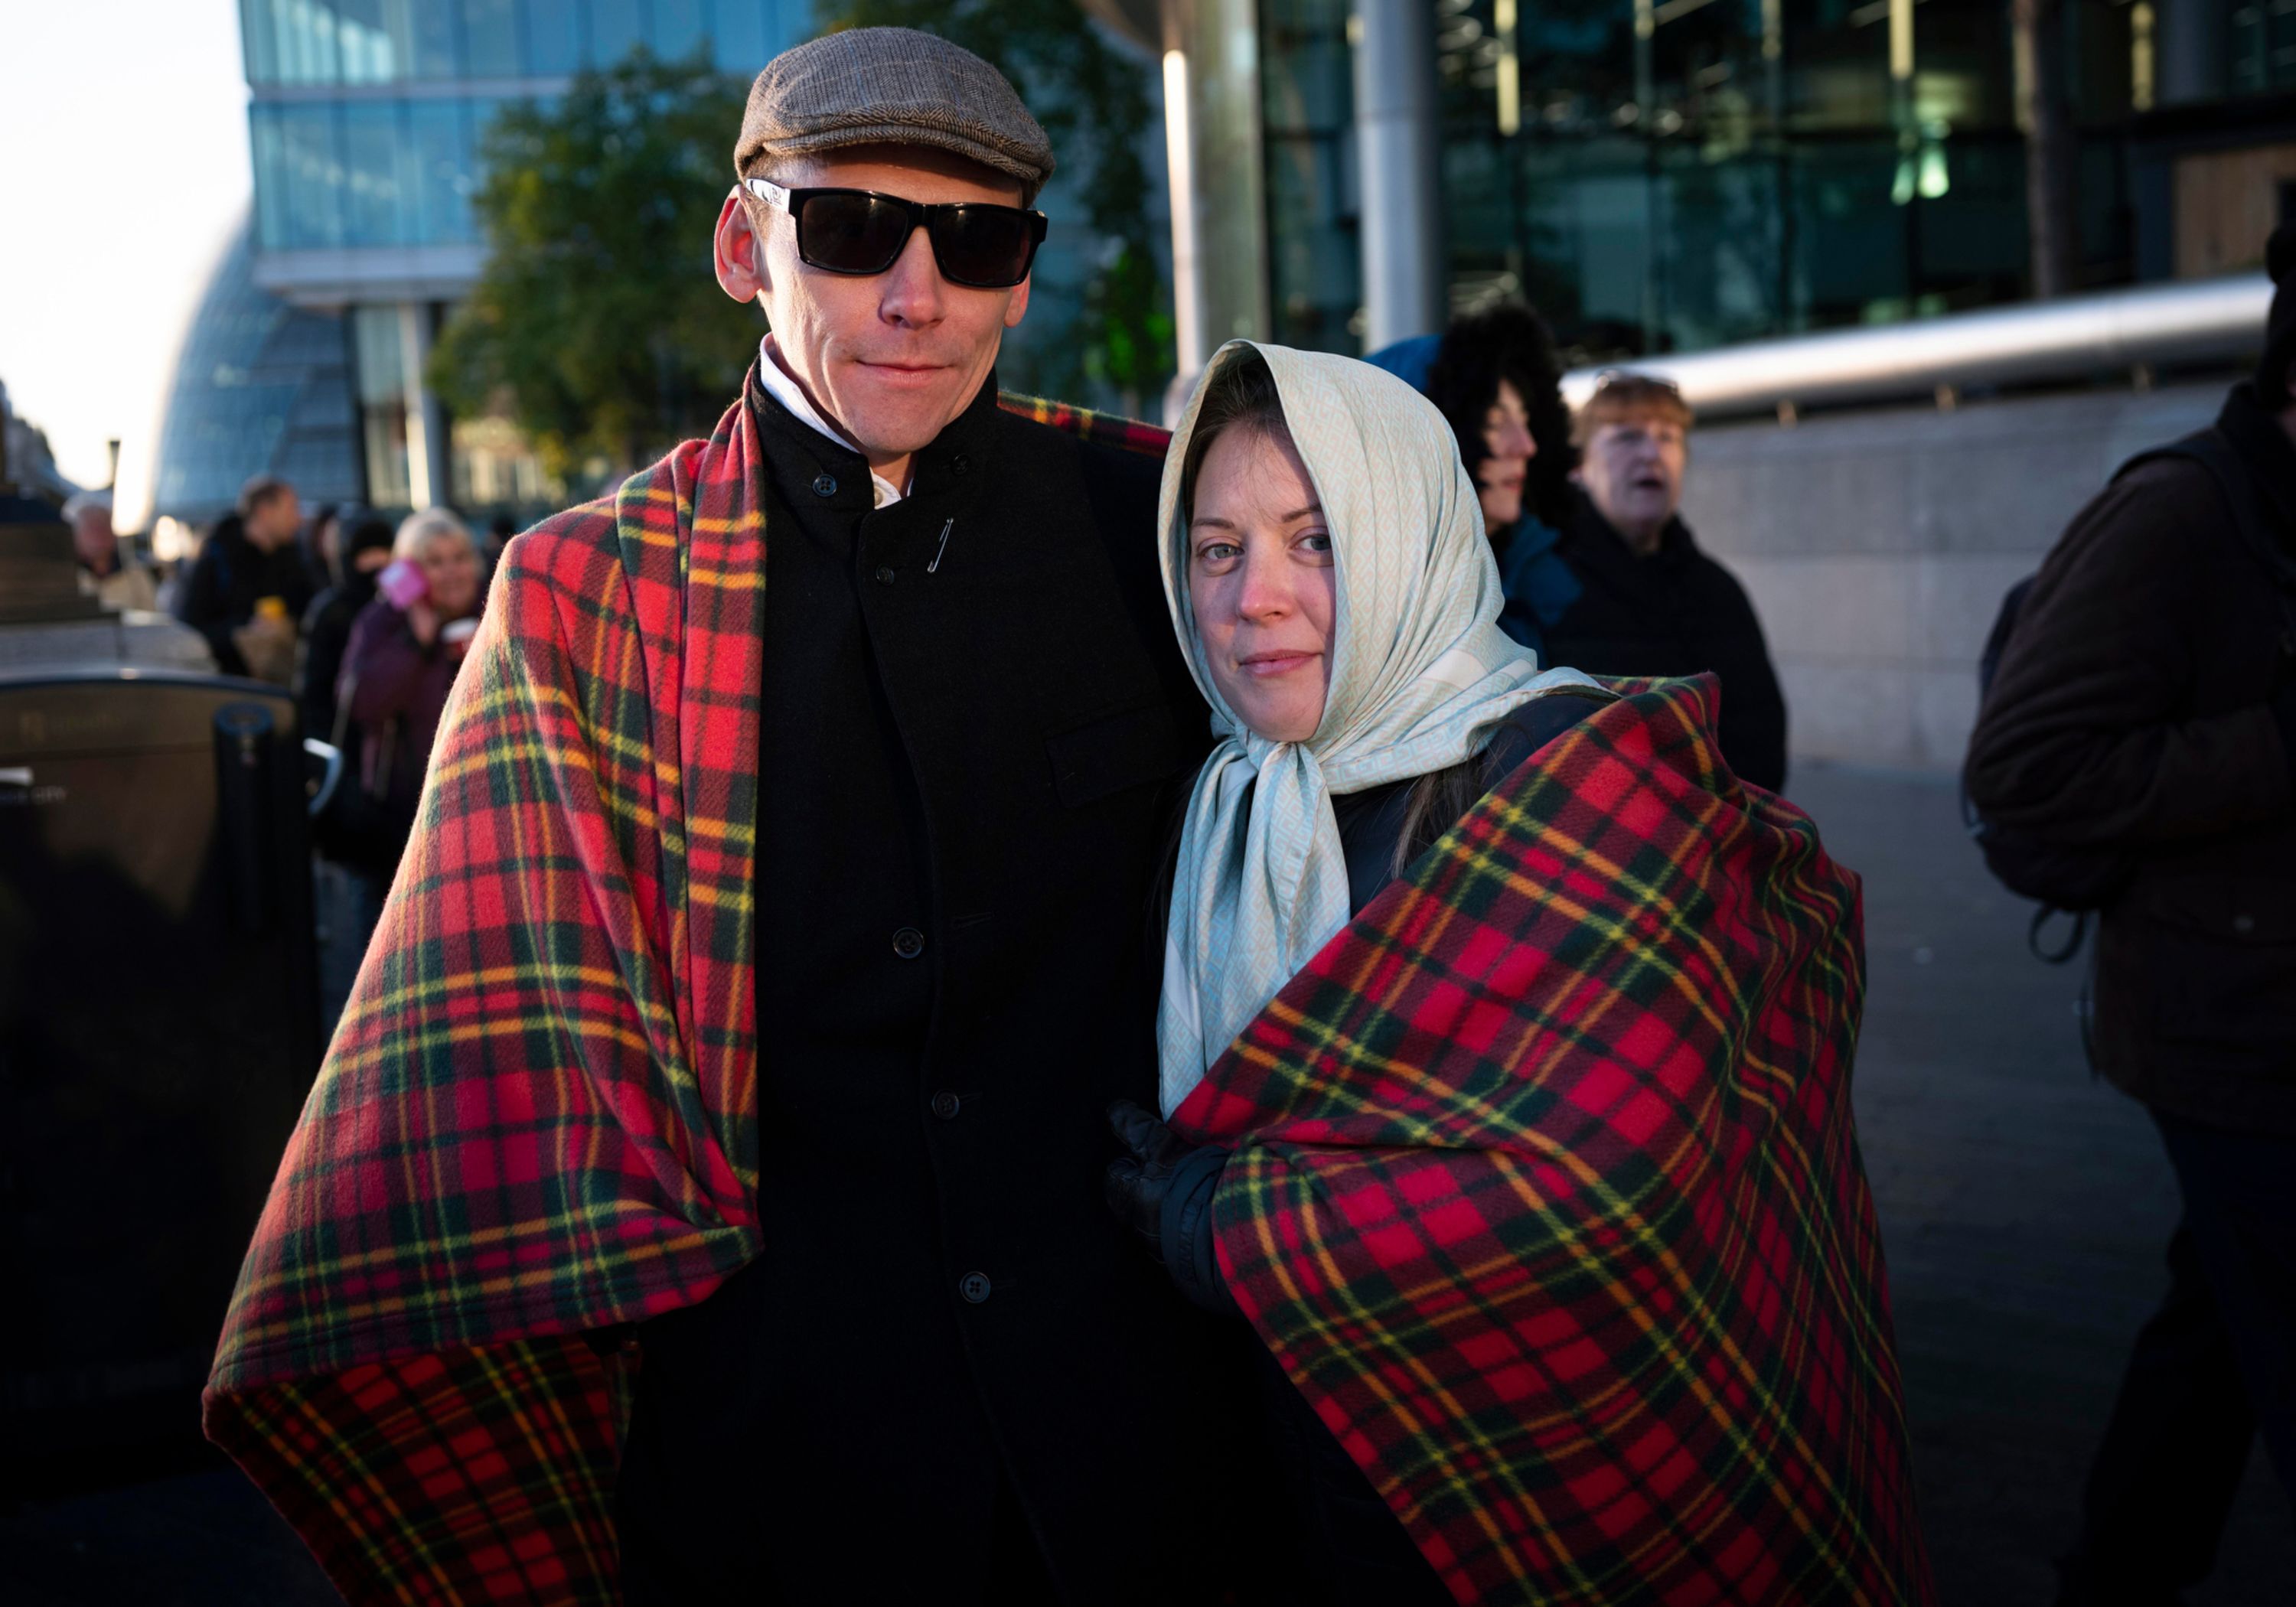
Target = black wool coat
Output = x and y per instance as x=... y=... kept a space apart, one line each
x=2146 y=702
x=1677 y=612
x=975 y=720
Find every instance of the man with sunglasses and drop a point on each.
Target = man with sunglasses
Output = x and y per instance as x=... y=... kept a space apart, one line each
x=944 y=1376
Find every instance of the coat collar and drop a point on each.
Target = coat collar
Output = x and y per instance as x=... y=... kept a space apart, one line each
x=796 y=454
x=1594 y=545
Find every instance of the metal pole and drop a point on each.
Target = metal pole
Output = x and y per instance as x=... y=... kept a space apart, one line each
x=1396 y=142
x=426 y=422
x=1179 y=160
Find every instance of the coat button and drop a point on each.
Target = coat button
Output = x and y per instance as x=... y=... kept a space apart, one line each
x=945 y=1105
x=909 y=942
x=960 y=464
x=825 y=485
x=884 y=575
x=974 y=1287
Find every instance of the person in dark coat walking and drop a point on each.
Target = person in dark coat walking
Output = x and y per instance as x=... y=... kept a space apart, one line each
x=1650 y=602
x=249 y=584
x=2145 y=706
x=362 y=549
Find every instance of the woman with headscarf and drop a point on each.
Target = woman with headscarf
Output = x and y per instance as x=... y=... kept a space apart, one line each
x=1495 y=378
x=1503 y=1050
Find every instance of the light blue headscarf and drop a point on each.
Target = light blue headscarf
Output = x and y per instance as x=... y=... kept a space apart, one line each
x=1420 y=671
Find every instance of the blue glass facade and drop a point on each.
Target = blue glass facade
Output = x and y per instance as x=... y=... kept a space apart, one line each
x=367 y=115
x=369 y=42
x=367 y=120
x=259 y=387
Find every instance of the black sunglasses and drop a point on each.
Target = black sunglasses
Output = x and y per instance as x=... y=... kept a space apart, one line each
x=861 y=231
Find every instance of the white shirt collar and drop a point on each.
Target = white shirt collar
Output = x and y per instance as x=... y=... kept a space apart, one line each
x=786 y=391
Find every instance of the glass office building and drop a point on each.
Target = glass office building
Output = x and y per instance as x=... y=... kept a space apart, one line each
x=1674 y=175
x=365 y=119
x=261 y=387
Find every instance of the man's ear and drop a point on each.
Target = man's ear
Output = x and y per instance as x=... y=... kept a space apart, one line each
x=737 y=252
x=1017 y=308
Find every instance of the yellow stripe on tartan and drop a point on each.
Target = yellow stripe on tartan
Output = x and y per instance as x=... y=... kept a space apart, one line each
x=1618 y=1208
x=590 y=1494
x=553 y=1281
x=1434 y=1454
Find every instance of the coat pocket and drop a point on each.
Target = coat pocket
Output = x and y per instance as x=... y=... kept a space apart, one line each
x=1130 y=748
x=2218 y=958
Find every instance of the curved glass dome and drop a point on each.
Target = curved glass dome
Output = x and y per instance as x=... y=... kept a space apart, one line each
x=259 y=387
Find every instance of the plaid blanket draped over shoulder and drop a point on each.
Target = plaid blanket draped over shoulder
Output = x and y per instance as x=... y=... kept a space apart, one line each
x=1547 y=1197
x=537 y=1118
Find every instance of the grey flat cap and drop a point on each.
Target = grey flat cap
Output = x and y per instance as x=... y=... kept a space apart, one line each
x=893 y=85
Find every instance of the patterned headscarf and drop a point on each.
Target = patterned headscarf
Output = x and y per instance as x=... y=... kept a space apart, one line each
x=1420 y=671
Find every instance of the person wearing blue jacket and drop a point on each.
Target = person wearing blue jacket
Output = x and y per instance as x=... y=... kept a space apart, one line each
x=1495 y=378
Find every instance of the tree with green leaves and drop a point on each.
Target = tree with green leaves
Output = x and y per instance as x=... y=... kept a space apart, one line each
x=1114 y=332
x=596 y=326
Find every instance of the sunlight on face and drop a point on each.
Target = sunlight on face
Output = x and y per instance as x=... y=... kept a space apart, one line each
x=1262 y=583
x=1633 y=470
x=1507 y=449
x=450 y=567
x=890 y=357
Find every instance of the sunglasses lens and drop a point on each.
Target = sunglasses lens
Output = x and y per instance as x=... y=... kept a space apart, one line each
x=851 y=233
x=984 y=246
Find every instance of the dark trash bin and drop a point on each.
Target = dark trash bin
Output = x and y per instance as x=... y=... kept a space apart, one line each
x=159 y=1031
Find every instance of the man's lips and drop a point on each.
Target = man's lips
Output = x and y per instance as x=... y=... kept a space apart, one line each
x=1276 y=662
x=904 y=373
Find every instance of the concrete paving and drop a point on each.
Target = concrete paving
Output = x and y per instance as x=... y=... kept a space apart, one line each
x=2024 y=1206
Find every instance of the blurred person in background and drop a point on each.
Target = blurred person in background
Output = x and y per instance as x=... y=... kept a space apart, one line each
x=500 y=529
x=1495 y=378
x=1650 y=602
x=355 y=555
x=2145 y=711
x=248 y=585
x=115 y=581
x=321 y=544
x=404 y=648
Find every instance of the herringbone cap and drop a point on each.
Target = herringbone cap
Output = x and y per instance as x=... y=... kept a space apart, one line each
x=893 y=85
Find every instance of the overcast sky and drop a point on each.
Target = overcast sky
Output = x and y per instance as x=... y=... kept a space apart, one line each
x=123 y=168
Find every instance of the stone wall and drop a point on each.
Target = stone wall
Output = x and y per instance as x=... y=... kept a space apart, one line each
x=1877 y=544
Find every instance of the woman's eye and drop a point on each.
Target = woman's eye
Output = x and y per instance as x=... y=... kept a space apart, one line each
x=1317 y=541
x=1214 y=553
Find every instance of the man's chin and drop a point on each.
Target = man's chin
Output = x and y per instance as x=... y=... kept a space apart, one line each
x=902 y=416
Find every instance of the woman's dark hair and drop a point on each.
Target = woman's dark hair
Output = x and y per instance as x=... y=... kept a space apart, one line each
x=1240 y=395
x=1511 y=342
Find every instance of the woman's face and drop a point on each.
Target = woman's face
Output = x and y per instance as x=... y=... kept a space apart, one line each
x=1261 y=583
x=450 y=564
x=1507 y=449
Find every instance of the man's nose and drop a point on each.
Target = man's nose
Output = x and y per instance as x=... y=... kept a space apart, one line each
x=1515 y=440
x=913 y=290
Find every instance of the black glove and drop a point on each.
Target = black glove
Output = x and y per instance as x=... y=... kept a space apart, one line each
x=1162 y=1191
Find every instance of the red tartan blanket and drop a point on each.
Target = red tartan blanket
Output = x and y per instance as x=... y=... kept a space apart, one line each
x=1547 y=1195
x=537 y=1118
